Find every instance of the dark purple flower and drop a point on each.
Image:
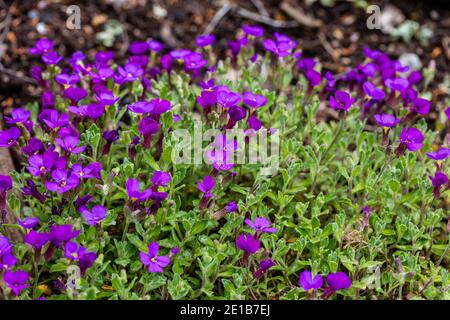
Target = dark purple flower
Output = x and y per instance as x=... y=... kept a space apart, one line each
x=264 y=265
x=421 y=106
x=261 y=225
x=206 y=186
x=207 y=98
x=254 y=31
x=86 y=260
x=92 y=170
x=231 y=207
x=103 y=57
x=62 y=233
x=9 y=137
x=397 y=84
x=138 y=48
x=281 y=49
x=314 y=78
x=75 y=94
x=227 y=98
x=386 y=120
x=134 y=193
x=338 y=281
x=51 y=58
x=16 y=281
x=411 y=138
x=103 y=74
x=372 y=91
x=62 y=181
x=129 y=72
x=205 y=40
x=140 y=107
x=70 y=144
x=415 y=77
x=31 y=190
x=254 y=123
x=160 y=179
x=306 y=64
x=42 y=164
x=236 y=113
x=155 y=46
x=235 y=46
x=148 y=127
x=95 y=216
x=447 y=112
x=194 y=61
x=307 y=282
x=67 y=79
x=341 y=101
x=152 y=261
x=248 y=243
x=104 y=96
x=18 y=115
x=37 y=239
x=437 y=181
x=441 y=154
x=111 y=136
x=7 y=258
x=53 y=119
x=28 y=223
x=42 y=46
x=34 y=146
x=254 y=100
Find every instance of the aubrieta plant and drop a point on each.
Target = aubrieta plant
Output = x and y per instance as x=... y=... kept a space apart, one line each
x=357 y=207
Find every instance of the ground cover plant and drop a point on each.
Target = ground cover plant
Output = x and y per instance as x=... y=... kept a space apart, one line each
x=104 y=206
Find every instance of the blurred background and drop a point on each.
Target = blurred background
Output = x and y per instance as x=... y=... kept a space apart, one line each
x=333 y=31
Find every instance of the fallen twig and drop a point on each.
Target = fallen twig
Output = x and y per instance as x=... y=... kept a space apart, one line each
x=217 y=17
x=261 y=9
x=300 y=16
x=265 y=20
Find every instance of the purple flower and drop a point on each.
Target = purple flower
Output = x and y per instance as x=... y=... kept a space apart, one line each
x=307 y=282
x=447 y=112
x=75 y=94
x=53 y=119
x=155 y=46
x=281 y=49
x=104 y=96
x=86 y=260
x=227 y=98
x=62 y=233
x=152 y=261
x=338 y=281
x=248 y=243
x=386 y=120
x=231 y=207
x=160 y=178
x=235 y=46
x=140 y=107
x=70 y=144
x=421 y=106
x=254 y=123
x=138 y=48
x=411 y=138
x=37 y=239
x=441 y=154
x=194 y=61
x=236 y=113
x=92 y=170
x=437 y=181
x=63 y=182
x=42 y=164
x=207 y=98
x=254 y=31
x=5 y=183
x=254 y=100
x=7 y=258
x=264 y=265
x=34 y=146
x=260 y=225
x=67 y=79
x=18 y=115
x=111 y=136
x=28 y=223
x=51 y=58
x=341 y=101
x=372 y=91
x=397 y=84
x=415 y=77
x=16 y=281
x=31 y=190
x=9 y=137
x=42 y=46
x=129 y=72
x=205 y=40
x=206 y=186
x=306 y=64
x=103 y=74
x=134 y=193
x=314 y=78
x=148 y=127
x=103 y=57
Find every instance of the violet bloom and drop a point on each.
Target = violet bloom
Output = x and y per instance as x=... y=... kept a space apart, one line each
x=19 y=115
x=7 y=258
x=31 y=190
x=206 y=186
x=62 y=233
x=34 y=146
x=28 y=223
x=437 y=181
x=447 y=112
x=264 y=265
x=16 y=281
x=421 y=106
x=338 y=281
x=152 y=261
x=92 y=170
x=160 y=179
x=53 y=119
x=411 y=138
x=254 y=100
x=227 y=98
x=129 y=72
x=77 y=252
x=307 y=282
x=341 y=101
x=254 y=31
x=236 y=114
x=231 y=207
x=86 y=260
x=397 y=84
x=254 y=123
x=42 y=46
x=139 y=47
x=134 y=193
x=140 y=107
x=386 y=120
x=372 y=91
x=75 y=94
x=148 y=127
x=104 y=57
x=42 y=164
x=104 y=96
x=155 y=46
x=37 y=239
x=235 y=46
x=314 y=78
x=207 y=98
x=441 y=154
x=103 y=74
x=194 y=61
x=415 y=77
x=281 y=49
x=62 y=181
x=67 y=79
x=248 y=244
x=205 y=40
x=51 y=58
x=9 y=137
x=70 y=144
x=260 y=225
